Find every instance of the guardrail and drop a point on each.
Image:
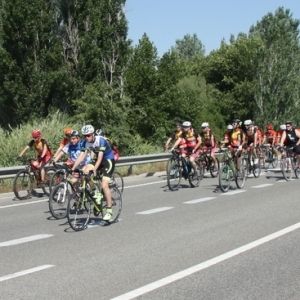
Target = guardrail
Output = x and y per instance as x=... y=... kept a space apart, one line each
x=10 y=172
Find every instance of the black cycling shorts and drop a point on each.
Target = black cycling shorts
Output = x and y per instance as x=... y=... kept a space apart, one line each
x=107 y=167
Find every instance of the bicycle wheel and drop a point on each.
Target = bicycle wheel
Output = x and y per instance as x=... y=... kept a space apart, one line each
x=195 y=177
x=57 y=178
x=225 y=177
x=214 y=168
x=286 y=168
x=256 y=168
x=241 y=174
x=174 y=174
x=78 y=212
x=23 y=185
x=274 y=159
x=49 y=172
x=118 y=181
x=116 y=196
x=58 y=200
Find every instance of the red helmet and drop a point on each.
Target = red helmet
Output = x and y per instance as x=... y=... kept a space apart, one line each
x=269 y=127
x=36 y=133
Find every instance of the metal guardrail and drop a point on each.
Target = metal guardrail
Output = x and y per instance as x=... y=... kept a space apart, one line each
x=10 y=172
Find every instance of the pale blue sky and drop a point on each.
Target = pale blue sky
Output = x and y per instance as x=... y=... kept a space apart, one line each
x=165 y=21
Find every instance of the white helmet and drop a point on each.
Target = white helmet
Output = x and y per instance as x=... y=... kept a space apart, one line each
x=248 y=122
x=186 y=124
x=282 y=127
x=205 y=124
x=87 y=129
x=229 y=127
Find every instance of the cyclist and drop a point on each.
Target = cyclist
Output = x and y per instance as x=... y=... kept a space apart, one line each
x=174 y=136
x=251 y=138
x=208 y=141
x=189 y=143
x=43 y=152
x=113 y=145
x=72 y=149
x=64 y=141
x=104 y=161
x=270 y=135
x=291 y=138
x=282 y=128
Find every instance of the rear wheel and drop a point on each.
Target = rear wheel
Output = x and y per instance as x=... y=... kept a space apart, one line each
x=58 y=200
x=256 y=168
x=174 y=174
x=195 y=176
x=79 y=211
x=23 y=185
x=116 y=196
x=118 y=181
x=225 y=177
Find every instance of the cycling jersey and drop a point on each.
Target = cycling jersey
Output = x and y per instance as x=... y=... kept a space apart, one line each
x=270 y=136
x=63 y=142
x=100 y=144
x=206 y=137
x=73 y=152
x=291 y=138
x=39 y=147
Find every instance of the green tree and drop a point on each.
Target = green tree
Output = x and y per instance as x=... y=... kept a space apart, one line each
x=277 y=89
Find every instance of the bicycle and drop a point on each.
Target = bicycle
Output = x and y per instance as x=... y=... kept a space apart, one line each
x=269 y=155
x=118 y=181
x=81 y=203
x=289 y=164
x=254 y=163
x=229 y=171
x=27 y=180
x=177 y=168
x=206 y=162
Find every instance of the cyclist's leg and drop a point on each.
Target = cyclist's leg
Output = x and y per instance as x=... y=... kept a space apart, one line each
x=107 y=168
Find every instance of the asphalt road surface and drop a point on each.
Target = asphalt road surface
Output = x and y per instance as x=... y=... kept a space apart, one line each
x=194 y=243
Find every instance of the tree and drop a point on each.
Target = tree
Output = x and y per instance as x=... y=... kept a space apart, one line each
x=277 y=89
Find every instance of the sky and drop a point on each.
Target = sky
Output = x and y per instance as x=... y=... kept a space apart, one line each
x=165 y=21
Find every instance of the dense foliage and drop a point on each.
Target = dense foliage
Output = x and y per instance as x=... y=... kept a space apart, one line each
x=75 y=57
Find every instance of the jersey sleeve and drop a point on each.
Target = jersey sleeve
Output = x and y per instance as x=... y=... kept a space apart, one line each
x=31 y=143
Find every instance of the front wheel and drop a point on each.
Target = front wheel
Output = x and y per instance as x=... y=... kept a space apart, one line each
x=78 y=212
x=23 y=185
x=286 y=168
x=49 y=172
x=241 y=174
x=256 y=168
x=214 y=168
x=58 y=200
x=174 y=174
x=195 y=176
x=225 y=177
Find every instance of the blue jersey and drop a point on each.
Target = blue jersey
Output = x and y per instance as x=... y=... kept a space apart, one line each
x=73 y=152
x=100 y=144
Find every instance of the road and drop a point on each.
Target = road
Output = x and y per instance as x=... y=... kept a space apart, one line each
x=194 y=243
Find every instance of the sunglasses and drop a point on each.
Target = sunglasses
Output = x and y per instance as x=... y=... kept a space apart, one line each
x=88 y=135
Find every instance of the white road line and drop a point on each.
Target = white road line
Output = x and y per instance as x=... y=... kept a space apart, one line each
x=25 y=272
x=233 y=192
x=153 y=211
x=21 y=204
x=204 y=265
x=261 y=185
x=199 y=200
x=25 y=240
x=143 y=184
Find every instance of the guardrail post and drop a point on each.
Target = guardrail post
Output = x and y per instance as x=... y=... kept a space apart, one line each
x=129 y=172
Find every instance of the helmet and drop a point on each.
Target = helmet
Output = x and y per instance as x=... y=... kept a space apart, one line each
x=248 y=122
x=205 y=124
x=282 y=127
x=269 y=127
x=288 y=122
x=36 y=133
x=186 y=124
x=87 y=129
x=229 y=127
x=74 y=133
x=236 y=121
x=68 y=131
